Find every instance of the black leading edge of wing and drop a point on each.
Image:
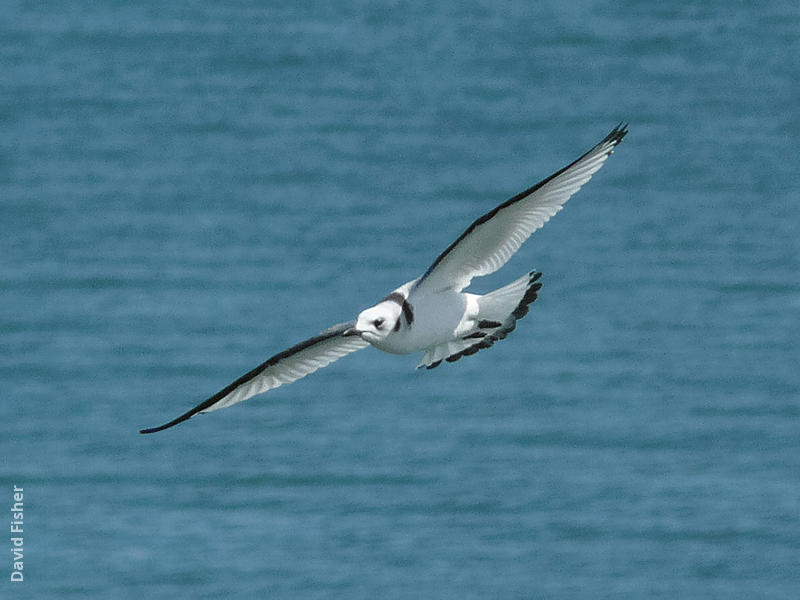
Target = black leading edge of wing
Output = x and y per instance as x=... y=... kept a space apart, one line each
x=612 y=139
x=333 y=332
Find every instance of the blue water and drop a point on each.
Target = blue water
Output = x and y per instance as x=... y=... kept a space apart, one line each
x=188 y=188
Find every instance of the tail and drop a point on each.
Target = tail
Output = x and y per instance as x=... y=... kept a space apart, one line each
x=511 y=302
x=498 y=314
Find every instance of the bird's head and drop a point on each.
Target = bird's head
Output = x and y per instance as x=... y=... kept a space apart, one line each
x=377 y=322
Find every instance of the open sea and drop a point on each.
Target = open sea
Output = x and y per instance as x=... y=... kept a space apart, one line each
x=188 y=188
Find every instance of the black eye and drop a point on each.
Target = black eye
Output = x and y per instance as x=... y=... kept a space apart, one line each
x=378 y=323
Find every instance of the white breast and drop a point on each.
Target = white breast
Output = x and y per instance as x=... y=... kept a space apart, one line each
x=438 y=318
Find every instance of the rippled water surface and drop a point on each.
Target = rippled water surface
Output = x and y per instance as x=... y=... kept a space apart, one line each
x=187 y=189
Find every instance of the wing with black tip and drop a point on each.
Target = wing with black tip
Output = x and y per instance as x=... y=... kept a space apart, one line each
x=491 y=240
x=286 y=367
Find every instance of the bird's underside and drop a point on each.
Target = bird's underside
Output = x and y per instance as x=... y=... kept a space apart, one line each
x=431 y=314
x=495 y=320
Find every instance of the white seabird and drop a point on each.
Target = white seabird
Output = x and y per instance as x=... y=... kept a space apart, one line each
x=431 y=314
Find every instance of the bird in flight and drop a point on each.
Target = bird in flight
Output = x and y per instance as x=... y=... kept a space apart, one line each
x=432 y=314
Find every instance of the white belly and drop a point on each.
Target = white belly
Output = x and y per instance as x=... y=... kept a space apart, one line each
x=438 y=318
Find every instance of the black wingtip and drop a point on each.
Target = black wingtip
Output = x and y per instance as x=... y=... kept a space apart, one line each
x=172 y=423
x=153 y=429
x=616 y=135
x=157 y=429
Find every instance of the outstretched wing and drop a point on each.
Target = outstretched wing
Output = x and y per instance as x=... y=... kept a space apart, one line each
x=288 y=366
x=491 y=240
